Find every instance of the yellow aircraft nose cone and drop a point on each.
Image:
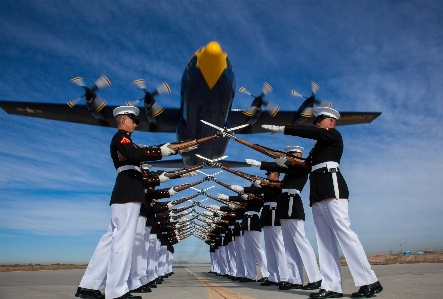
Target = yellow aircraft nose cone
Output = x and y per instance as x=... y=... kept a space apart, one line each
x=211 y=60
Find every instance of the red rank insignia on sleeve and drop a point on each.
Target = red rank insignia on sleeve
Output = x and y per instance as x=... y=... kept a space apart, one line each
x=125 y=140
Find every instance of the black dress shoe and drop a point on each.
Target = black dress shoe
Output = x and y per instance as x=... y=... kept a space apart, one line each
x=368 y=291
x=142 y=289
x=129 y=296
x=326 y=294
x=266 y=282
x=152 y=284
x=89 y=294
x=245 y=279
x=262 y=279
x=235 y=278
x=285 y=285
x=313 y=285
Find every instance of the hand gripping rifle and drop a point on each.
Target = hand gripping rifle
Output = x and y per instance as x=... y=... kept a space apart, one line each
x=253 y=178
x=250 y=196
x=161 y=207
x=228 y=203
x=178 y=173
x=274 y=154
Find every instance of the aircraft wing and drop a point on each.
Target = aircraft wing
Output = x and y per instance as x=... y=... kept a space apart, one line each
x=237 y=118
x=167 y=121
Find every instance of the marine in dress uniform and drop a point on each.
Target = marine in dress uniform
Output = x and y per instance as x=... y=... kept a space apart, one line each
x=329 y=201
x=291 y=213
x=111 y=261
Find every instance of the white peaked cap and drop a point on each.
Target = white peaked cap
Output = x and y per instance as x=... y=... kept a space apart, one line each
x=125 y=110
x=326 y=111
x=294 y=148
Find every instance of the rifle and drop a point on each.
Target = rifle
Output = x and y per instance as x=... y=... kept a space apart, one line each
x=186 y=186
x=253 y=178
x=251 y=196
x=178 y=146
x=159 y=207
x=235 y=205
x=291 y=160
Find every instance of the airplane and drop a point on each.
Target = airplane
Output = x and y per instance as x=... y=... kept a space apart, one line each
x=207 y=92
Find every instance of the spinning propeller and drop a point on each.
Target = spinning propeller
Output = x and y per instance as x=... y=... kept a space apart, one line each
x=315 y=88
x=259 y=101
x=152 y=108
x=93 y=102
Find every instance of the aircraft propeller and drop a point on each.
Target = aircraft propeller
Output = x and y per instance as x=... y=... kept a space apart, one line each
x=93 y=102
x=152 y=108
x=315 y=88
x=259 y=101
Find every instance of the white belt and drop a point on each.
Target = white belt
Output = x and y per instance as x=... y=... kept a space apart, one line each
x=329 y=165
x=332 y=168
x=231 y=226
x=291 y=193
x=238 y=221
x=271 y=204
x=251 y=213
x=128 y=167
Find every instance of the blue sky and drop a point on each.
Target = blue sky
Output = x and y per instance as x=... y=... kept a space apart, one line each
x=56 y=178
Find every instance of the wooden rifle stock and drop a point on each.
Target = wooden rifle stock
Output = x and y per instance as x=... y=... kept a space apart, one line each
x=179 y=173
x=251 y=196
x=163 y=206
x=178 y=146
x=274 y=154
x=186 y=186
x=253 y=178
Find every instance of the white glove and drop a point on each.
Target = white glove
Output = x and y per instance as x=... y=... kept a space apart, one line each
x=253 y=162
x=257 y=183
x=172 y=191
x=237 y=188
x=281 y=161
x=273 y=129
x=188 y=149
x=222 y=196
x=166 y=151
x=232 y=206
x=189 y=174
x=215 y=207
x=163 y=178
x=169 y=205
x=146 y=166
x=244 y=196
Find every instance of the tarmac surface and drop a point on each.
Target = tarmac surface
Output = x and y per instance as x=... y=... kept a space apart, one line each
x=193 y=281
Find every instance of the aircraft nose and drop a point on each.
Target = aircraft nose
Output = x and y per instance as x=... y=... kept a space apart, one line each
x=211 y=60
x=214 y=48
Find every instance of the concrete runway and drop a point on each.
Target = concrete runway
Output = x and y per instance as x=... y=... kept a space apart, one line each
x=192 y=281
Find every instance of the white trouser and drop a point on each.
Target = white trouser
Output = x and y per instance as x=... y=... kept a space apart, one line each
x=275 y=254
x=152 y=258
x=112 y=258
x=162 y=260
x=240 y=256
x=299 y=248
x=170 y=259
x=211 y=256
x=144 y=279
x=138 y=266
x=222 y=262
x=230 y=249
x=255 y=253
x=157 y=246
x=333 y=228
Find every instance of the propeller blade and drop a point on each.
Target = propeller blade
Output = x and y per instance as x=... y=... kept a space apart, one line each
x=244 y=90
x=162 y=89
x=72 y=103
x=272 y=109
x=314 y=87
x=140 y=83
x=133 y=103
x=102 y=82
x=100 y=104
x=78 y=81
x=157 y=109
x=251 y=111
x=267 y=88
x=295 y=93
